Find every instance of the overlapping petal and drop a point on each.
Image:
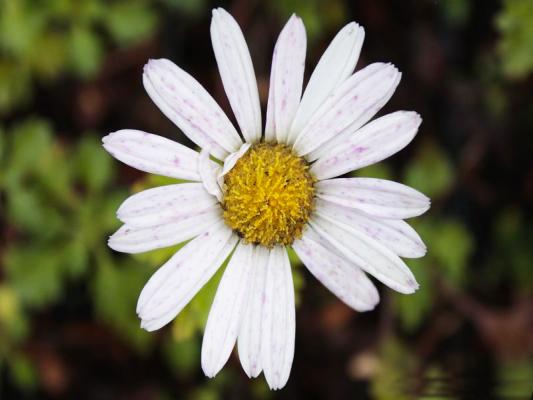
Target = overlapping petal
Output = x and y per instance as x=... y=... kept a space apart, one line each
x=158 y=205
x=277 y=348
x=237 y=73
x=186 y=103
x=209 y=173
x=152 y=153
x=394 y=234
x=344 y=279
x=372 y=143
x=227 y=311
x=252 y=326
x=349 y=107
x=367 y=253
x=377 y=197
x=135 y=239
x=286 y=79
x=334 y=67
x=180 y=278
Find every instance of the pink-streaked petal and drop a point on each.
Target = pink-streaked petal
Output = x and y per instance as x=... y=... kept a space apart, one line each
x=227 y=311
x=152 y=153
x=158 y=205
x=130 y=239
x=350 y=106
x=237 y=73
x=209 y=172
x=186 y=103
x=367 y=253
x=372 y=143
x=394 y=234
x=286 y=79
x=334 y=67
x=377 y=197
x=277 y=349
x=251 y=331
x=344 y=279
x=181 y=277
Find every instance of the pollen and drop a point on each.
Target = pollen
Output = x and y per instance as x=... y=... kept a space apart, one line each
x=268 y=195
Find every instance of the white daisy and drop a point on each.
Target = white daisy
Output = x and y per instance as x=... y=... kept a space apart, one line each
x=270 y=191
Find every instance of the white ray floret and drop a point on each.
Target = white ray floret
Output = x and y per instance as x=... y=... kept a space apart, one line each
x=286 y=79
x=346 y=280
x=227 y=311
x=377 y=197
x=252 y=326
x=334 y=67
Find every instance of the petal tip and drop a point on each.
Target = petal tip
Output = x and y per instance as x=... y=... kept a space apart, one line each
x=412 y=285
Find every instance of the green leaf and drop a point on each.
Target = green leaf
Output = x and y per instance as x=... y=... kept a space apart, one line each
x=15 y=85
x=193 y=8
x=30 y=212
x=34 y=273
x=130 y=21
x=397 y=366
x=13 y=320
x=23 y=372
x=115 y=290
x=413 y=308
x=31 y=140
x=48 y=55
x=452 y=249
x=3 y=140
x=183 y=356
x=516 y=36
x=95 y=166
x=430 y=172
x=75 y=257
x=378 y=171
x=85 y=51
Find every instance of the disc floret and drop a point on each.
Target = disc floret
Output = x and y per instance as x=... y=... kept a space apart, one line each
x=268 y=195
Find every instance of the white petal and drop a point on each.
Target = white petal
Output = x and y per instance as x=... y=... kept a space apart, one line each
x=344 y=279
x=367 y=253
x=158 y=205
x=372 y=143
x=286 y=79
x=152 y=153
x=377 y=197
x=186 y=103
x=350 y=106
x=181 y=277
x=227 y=311
x=230 y=162
x=250 y=333
x=334 y=67
x=209 y=172
x=237 y=73
x=394 y=234
x=277 y=349
x=130 y=239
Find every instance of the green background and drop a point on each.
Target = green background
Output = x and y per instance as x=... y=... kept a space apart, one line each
x=70 y=72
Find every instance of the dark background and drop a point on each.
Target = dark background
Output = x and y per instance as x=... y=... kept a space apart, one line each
x=70 y=72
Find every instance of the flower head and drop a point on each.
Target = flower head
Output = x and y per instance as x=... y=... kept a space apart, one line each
x=269 y=191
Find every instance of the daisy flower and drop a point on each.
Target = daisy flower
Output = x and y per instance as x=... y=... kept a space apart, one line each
x=251 y=194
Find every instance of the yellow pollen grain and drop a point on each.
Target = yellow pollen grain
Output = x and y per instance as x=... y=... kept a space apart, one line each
x=268 y=195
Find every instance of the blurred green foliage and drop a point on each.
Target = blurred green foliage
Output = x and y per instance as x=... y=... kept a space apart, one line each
x=40 y=41
x=319 y=17
x=516 y=30
x=60 y=206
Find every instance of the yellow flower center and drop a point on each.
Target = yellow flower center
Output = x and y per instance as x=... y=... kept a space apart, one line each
x=268 y=195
